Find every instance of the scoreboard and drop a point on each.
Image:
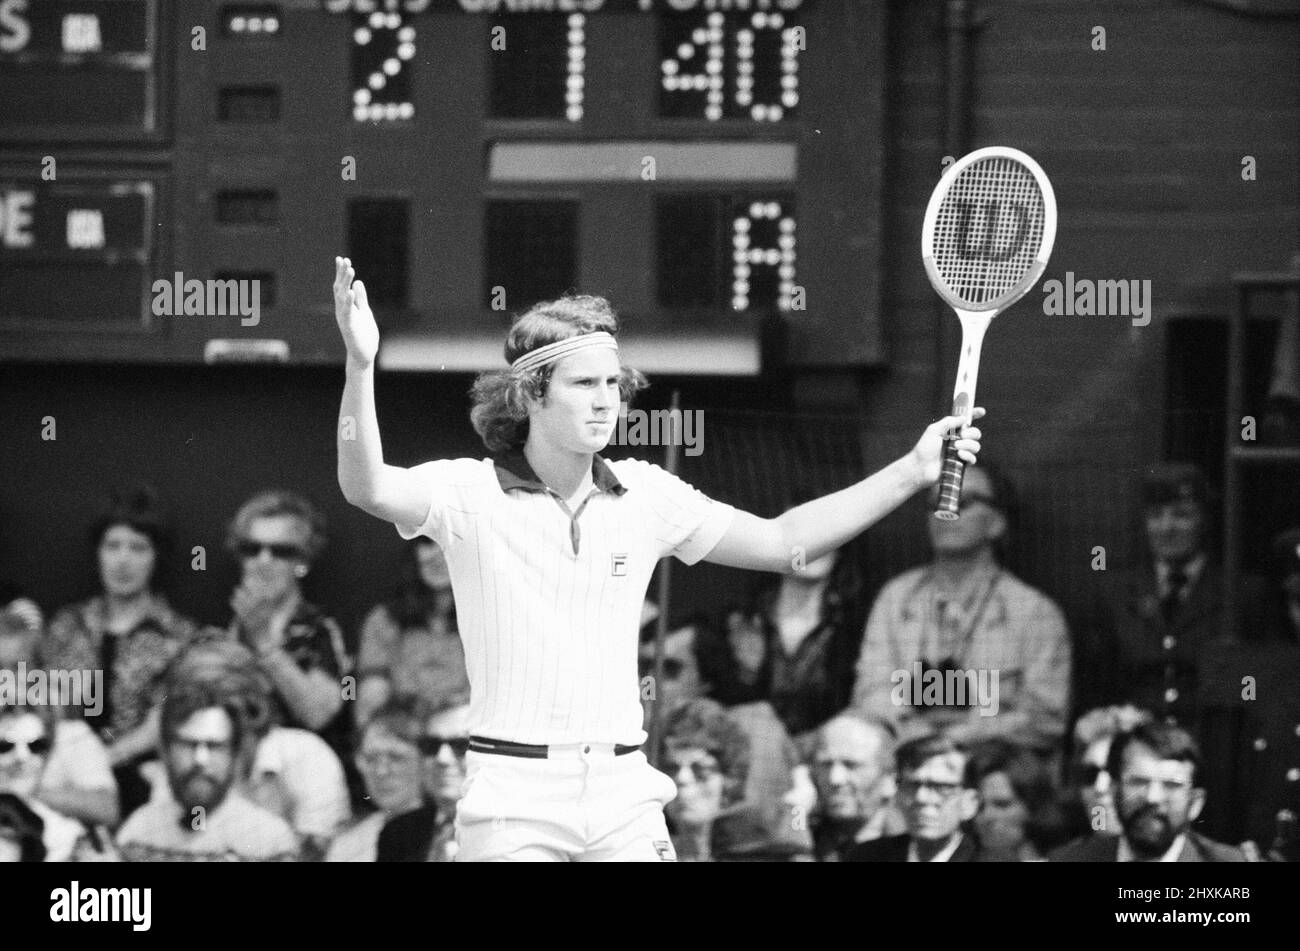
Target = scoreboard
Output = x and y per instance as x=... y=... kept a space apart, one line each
x=72 y=70
x=176 y=177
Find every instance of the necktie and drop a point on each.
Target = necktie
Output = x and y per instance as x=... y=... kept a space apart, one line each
x=1177 y=581
x=945 y=629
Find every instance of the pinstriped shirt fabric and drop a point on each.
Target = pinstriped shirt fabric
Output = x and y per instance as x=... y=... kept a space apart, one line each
x=551 y=632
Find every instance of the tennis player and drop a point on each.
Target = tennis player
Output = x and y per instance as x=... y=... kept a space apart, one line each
x=551 y=550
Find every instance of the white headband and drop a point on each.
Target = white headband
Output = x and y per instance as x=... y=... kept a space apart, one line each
x=563 y=348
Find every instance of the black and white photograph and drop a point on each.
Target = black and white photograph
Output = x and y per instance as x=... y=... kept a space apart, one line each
x=650 y=431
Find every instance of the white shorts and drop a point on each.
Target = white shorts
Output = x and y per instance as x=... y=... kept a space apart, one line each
x=581 y=804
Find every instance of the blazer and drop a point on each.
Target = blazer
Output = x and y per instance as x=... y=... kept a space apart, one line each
x=1105 y=848
x=893 y=848
x=1157 y=665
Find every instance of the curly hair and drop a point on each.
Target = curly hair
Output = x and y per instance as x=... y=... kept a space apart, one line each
x=140 y=509
x=500 y=397
x=272 y=503
x=704 y=724
x=192 y=697
x=227 y=669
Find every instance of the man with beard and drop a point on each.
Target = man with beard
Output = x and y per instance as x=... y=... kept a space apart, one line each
x=1156 y=767
x=205 y=819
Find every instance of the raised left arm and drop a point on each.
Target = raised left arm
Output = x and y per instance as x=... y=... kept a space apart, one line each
x=805 y=533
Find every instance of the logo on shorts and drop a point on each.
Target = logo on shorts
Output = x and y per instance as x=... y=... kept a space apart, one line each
x=618 y=565
x=665 y=850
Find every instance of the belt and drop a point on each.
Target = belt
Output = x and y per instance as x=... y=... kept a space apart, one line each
x=483 y=744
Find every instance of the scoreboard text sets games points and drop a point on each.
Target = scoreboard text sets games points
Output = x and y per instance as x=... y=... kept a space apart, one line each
x=706 y=164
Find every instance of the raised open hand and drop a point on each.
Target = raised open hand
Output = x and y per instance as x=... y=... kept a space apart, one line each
x=352 y=310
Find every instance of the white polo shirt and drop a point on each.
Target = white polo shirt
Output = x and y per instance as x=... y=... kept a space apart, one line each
x=549 y=606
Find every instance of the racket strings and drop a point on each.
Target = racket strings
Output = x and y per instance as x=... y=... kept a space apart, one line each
x=989 y=229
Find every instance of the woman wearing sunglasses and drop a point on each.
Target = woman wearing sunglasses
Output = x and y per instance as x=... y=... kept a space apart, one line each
x=708 y=756
x=428 y=834
x=277 y=536
x=129 y=632
x=1089 y=780
x=26 y=739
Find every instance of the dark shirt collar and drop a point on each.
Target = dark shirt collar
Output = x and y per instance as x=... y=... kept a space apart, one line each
x=514 y=472
x=306 y=613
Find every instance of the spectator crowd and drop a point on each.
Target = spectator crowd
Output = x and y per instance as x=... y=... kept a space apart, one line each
x=953 y=715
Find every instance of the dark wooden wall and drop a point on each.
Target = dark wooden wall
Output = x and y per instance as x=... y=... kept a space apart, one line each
x=1144 y=144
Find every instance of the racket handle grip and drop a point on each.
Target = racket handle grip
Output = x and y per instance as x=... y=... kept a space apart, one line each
x=950 y=477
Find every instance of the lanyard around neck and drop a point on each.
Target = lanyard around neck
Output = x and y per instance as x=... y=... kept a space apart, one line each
x=968 y=634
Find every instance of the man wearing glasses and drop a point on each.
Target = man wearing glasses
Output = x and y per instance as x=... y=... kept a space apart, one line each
x=205 y=734
x=708 y=756
x=1157 y=799
x=937 y=800
x=443 y=748
x=389 y=758
x=963 y=615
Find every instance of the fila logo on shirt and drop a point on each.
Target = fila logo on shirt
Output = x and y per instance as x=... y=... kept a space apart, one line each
x=618 y=564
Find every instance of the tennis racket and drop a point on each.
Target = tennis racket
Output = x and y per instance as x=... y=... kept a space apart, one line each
x=987 y=235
